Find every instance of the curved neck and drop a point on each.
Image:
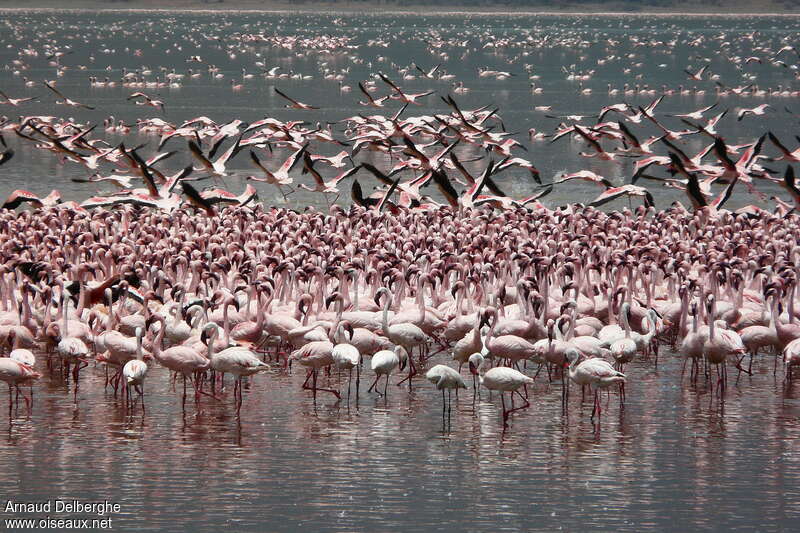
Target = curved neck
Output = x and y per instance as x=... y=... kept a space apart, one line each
x=557 y=331
x=159 y=339
x=213 y=340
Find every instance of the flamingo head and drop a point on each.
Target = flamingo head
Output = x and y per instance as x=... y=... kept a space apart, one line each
x=475 y=362
x=332 y=298
x=488 y=315
x=209 y=333
x=402 y=355
x=155 y=317
x=348 y=327
x=53 y=331
x=571 y=357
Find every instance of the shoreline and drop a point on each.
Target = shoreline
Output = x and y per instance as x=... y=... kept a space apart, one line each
x=252 y=6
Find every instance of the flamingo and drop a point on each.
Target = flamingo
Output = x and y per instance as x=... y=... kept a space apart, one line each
x=346 y=356
x=791 y=357
x=692 y=344
x=445 y=378
x=135 y=370
x=501 y=379
x=15 y=373
x=236 y=360
x=294 y=104
x=184 y=360
x=721 y=343
x=385 y=362
x=405 y=334
x=597 y=373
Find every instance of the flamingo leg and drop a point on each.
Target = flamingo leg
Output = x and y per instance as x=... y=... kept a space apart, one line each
x=27 y=402
x=239 y=399
x=374 y=383
x=524 y=406
x=358 y=379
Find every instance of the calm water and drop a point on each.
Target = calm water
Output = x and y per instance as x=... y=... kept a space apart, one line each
x=676 y=458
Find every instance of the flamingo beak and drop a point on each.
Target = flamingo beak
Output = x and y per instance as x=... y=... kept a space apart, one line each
x=473 y=369
x=329 y=300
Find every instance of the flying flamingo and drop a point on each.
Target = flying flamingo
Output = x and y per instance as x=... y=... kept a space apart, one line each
x=294 y=104
x=66 y=101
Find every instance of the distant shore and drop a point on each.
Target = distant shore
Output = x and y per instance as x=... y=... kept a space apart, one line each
x=757 y=8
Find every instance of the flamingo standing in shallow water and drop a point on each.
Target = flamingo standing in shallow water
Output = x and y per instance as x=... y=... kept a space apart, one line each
x=135 y=370
x=597 y=373
x=446 y=378
x=502 y=379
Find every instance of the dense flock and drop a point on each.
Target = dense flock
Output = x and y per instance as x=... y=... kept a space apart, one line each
x=437 y=271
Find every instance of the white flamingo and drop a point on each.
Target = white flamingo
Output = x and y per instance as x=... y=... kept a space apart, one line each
x=236 y=360
x=135 y=370
x=502 y=379
x=597 y=373
x=445 y=378
x=385 y=362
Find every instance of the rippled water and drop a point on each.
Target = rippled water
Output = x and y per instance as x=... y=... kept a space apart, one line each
x=675 y=458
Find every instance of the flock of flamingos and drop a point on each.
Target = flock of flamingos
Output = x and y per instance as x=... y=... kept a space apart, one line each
x=466 y=285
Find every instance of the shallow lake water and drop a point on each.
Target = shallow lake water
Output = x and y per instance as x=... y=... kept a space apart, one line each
x=676 y=457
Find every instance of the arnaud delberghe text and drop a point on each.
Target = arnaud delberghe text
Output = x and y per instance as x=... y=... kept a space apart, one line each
x=63 y=506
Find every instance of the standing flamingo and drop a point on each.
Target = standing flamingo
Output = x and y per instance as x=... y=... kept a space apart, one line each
x=597 y=373
x=502 y=379
x=135 y=370
x=445 y=378
x=384 y=362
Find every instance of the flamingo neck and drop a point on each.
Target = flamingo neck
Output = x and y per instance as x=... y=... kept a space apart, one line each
x=711 y=327
x=226 y=323
x=213 y=340
x=139 y=347
x=355 y=292
x=421 y=299
x=623 y=319
x=385 y=318
x=65 y=317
